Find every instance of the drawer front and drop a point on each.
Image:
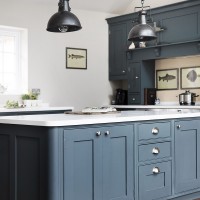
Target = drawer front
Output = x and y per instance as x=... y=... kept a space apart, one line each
x=157 y=184
x=134 y=99
x=154 y=130
x=154 y=151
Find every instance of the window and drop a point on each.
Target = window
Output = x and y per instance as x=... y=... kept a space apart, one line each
x=14 y=59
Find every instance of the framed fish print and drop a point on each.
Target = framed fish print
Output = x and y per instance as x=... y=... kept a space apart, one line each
x=190 y=77
x=167 y=79
x=76 y=58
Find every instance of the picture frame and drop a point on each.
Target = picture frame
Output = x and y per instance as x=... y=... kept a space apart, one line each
x=167 y=79
x=76 y=58
x=190 y=77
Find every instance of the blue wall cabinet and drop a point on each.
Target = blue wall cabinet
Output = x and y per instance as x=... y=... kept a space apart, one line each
x=117 y=51
x=187 y=155
x=98 y=163
x=140 y=75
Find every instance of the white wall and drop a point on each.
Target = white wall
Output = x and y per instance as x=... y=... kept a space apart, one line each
x=60 y=86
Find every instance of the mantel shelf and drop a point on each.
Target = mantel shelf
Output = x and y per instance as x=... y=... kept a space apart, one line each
x=164 y=45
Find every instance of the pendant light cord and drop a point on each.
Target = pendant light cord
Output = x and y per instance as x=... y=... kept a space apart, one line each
x=142 y=2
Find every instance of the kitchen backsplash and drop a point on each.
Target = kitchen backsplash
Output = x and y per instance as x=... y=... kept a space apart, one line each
x=172 y=63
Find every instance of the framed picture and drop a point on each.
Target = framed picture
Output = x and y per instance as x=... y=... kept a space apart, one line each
x=76 y=58
x=190 y=77
x=167 y=79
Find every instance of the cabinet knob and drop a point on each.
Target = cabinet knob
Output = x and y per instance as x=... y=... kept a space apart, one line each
x=155 y=131
x=133 y=99
x=107 y=133
x=123 y=71
x=136 y=77
x=98 y=133
x=156 y=170
x=178 y=126
x=155 y=150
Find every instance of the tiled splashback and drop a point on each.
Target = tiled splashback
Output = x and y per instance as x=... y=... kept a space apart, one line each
x=180 y=62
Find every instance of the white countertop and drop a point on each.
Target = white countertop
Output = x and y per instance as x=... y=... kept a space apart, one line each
x=70 y=119
x=156 y=106
x=37 y=108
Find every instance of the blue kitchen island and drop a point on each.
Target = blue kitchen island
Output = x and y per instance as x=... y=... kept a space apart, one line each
x=128 y=155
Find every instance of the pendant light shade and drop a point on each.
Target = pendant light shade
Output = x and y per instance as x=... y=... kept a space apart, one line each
x=63 y=21
x=142 y=32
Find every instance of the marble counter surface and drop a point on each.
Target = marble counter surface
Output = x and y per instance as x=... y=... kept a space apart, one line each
x=156 y=106
x=71 y=120
x=37 y=108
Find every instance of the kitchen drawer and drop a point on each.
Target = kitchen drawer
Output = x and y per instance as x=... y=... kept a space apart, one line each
x=154 y=151
x=134 y=99
x=157 y=184
x=154 y=130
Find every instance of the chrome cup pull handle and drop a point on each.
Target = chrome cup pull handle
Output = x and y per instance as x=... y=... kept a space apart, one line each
x=155 y=150
x=155 y=131
x=156 y=170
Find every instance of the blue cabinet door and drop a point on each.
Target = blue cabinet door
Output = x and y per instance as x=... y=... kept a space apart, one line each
x=82 y=165
x=187 y=155
x=117 y=51
x=118 y=163
x=98 y=166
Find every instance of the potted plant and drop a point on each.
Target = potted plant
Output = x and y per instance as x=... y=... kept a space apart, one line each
x=30 y=99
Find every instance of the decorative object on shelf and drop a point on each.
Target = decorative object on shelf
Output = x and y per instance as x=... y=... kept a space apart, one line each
x=63 y=21
x=12 y=104
x=76 y=58
x=142 y=32
x=190 y=77
x=132 y=46
x=167 y=79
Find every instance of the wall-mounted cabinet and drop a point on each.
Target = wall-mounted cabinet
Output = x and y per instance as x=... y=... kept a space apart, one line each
x=117 y=51
x=140 y=75
x=180 y=37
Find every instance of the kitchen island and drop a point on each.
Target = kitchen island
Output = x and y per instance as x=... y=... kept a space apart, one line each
x=130 y=155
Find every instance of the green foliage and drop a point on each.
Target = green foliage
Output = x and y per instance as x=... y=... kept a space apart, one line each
x=12 y=104
x=29 y=96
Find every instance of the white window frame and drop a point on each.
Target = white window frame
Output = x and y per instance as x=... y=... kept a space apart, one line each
x=21 y=36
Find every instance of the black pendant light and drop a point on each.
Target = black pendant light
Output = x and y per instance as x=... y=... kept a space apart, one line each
x=63 y=21
x=142 y=32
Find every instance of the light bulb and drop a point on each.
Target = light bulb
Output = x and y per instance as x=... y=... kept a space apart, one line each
x=63 y=29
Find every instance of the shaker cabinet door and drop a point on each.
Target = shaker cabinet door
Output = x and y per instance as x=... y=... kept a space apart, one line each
x=82 y=165
x=187 y=155
x=118 y=163
x=117 y=51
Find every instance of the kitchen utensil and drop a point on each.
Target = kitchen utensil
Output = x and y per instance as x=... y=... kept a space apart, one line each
x=187 y=98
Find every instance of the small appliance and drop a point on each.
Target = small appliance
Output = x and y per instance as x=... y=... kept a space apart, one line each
x=121 y=97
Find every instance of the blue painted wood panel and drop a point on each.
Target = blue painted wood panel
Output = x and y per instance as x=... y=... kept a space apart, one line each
x=82 y=165
x=154 y=186
x=187 y=156
x=118 y=164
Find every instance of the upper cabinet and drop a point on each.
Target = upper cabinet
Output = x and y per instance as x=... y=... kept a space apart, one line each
x=180 y=24
x=117 y=51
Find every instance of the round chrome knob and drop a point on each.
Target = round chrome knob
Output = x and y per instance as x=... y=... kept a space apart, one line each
x=98 y=133
x=136 y=77
x=133 y=99
x=155 y=131
x=123 y=71
x=107 y=133
x=155 y=150
x=156 y=170
x=178 y=126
